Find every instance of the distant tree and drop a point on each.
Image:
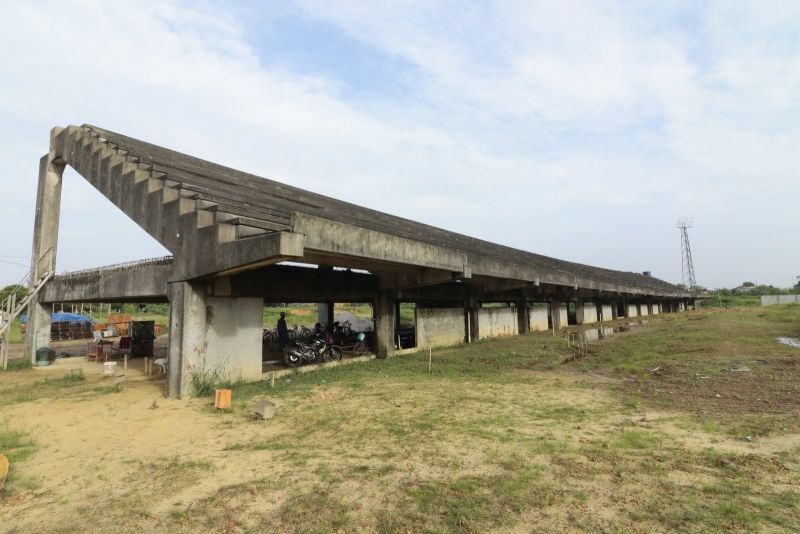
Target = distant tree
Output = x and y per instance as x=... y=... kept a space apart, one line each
x=797 y=285
x=21 y=291
x=748 y=284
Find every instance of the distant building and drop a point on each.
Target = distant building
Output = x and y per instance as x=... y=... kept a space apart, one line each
x=747 y=287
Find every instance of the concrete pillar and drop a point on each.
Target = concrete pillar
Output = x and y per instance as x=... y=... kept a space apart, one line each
x=384 y=322
x=523 y=314
x=472 y=319
x=585 y=312
x=606 y=312
x=632 y=310
x=538 y=316
x=45 y=241
x=325 y=313
x=558 y=315
x=211 y=334
x=614 y=311
x=187 y=335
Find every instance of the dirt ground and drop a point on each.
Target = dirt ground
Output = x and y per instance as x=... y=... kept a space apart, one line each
x=500 y=437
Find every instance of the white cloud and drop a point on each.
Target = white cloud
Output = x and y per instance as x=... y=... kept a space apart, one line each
x=572 y=129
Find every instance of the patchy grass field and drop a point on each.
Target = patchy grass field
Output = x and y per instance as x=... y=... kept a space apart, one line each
x=687 y=423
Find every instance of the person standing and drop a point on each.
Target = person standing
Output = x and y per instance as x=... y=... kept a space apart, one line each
x=283 y=332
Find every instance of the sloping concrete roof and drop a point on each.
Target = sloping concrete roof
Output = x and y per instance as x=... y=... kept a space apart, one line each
x=267 y=206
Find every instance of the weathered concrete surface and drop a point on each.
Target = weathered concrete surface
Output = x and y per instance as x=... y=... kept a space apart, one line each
x=586 y=313
x=45 y=245
x=211 y=335
x=559 y=315
x=606 y=312
x=633 y=310
x=187 y=336
x=440 y=326
x=233 y=336
x=495 y=322
x=232 y=220
x=644 y=310
x=538 y=317
x=147 y=283
x=385 y=318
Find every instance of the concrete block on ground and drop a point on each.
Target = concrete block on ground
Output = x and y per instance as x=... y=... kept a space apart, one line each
x=264 y=409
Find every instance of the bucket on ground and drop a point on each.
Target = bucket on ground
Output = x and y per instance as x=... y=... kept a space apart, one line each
x=44 y=356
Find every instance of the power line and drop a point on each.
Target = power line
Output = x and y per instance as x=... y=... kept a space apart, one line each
x=13 y=263
x=686 y=254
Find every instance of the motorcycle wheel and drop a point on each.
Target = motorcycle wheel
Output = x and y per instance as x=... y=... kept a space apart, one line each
x=293 y=357
x=335 y=353
x=311 y=356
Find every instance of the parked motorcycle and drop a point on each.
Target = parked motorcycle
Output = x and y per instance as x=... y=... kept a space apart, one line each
x=326 y=351
x=298 y=354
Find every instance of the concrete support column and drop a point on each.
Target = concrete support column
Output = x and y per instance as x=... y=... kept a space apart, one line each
x=523 y=314
x=585 y=312
x=606 y=312
x=471 y=310
x=187 y=335
x=558 y=315
x=385 y=321
x=45 y=241
x=325 y=313
x=211 y=333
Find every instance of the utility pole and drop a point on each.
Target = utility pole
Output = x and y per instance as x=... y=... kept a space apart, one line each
x=686 y=254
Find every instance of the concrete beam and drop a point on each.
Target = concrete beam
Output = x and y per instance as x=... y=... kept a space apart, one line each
x=201 y=255
x=147 y=283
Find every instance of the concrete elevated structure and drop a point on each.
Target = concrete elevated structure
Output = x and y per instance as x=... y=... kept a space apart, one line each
x=231 y=233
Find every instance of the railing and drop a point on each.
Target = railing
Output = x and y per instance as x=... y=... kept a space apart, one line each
x=10 y=308
x=164 y=260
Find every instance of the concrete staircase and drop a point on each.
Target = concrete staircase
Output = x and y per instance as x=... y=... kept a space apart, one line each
x=180 y=210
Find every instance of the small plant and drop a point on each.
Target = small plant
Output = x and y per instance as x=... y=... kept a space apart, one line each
x=205 y=381
x=76 y=375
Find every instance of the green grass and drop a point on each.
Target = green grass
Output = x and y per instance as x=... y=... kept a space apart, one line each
x=17 y=446
x=18 y=364
x=69 y=385
x=15 y=333
x=503 y=436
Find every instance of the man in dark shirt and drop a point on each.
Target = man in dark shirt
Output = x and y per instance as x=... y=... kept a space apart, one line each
x=283 y=332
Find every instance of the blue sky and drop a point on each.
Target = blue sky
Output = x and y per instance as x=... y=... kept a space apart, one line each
x=580 y=130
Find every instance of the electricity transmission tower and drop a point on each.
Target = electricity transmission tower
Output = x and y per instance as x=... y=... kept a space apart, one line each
x=686 y=253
